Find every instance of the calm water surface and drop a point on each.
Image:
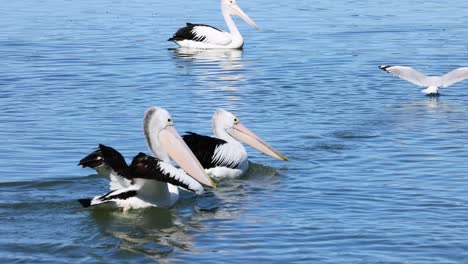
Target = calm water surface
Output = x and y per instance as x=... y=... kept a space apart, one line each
x=377 y=171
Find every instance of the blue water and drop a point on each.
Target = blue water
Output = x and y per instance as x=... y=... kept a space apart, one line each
x=377 y=171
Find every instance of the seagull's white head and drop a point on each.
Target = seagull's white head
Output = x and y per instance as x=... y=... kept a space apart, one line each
x=231 y=7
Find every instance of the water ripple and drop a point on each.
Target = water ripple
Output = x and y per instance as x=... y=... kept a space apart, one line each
x=376 y=171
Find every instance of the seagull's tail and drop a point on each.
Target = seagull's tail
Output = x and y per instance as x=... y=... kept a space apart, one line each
x=430 y=90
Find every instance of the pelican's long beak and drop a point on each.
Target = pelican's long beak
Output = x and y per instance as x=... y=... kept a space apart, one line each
x=241 y=133
x=237 y=11
x=183 y=156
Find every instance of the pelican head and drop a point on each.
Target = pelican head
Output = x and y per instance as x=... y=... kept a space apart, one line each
x=231 y=7
x=226 y=122
x=164 y=141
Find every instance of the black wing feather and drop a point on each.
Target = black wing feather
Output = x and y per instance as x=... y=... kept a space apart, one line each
x=120 y=196
x=105 y=155
x=148 y=167
x=186 y=33
x=109 y=197
x=142 y=166
x=203 y=147
x=85 y=202
x=93 y=160
x=113 y=158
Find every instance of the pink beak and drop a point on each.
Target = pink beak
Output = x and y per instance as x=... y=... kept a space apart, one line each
x=237 y=11
x=183 y=156
x=241 y=133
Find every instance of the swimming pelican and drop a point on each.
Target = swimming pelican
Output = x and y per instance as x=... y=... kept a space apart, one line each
x=208 y=37
x=433 y=83
x=222 y=155
x=148 y=181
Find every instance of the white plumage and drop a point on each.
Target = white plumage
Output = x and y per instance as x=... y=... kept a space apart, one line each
x=207 y=37
x=230 y=153
x=212 y=36
x=181 y=176
x=223 y=156
x=433 y=83
x=147 y=192
x=148 y=181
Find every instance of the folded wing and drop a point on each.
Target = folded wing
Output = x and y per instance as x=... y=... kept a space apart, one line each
x=202 y=33
x=150 y=168
x=204 y=148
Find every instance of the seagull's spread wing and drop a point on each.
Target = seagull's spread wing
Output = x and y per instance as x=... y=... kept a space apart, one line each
x=454 y=76
x=406 y=73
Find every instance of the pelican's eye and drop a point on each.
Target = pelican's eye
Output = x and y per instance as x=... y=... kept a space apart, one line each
x=236 y=121
x=169 y=120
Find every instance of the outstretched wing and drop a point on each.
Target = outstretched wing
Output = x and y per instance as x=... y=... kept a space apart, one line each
x=141 y=171
x=108 y=163
x=202 y=33
x=204 y=148
x=144 y=168
x=454 y=76
x=406 y=73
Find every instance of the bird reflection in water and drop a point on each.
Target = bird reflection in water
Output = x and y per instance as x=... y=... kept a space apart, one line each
x=160 y=233
x=155 y=232
x=213 y=71
x=430 y=103
x=226 y=59
x=235 y=195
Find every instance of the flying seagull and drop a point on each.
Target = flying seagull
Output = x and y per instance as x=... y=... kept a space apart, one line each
x=433 y=83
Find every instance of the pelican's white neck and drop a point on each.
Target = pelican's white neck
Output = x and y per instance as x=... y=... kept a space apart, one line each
x=152 y=140
x=221 y=133
x=230 y=23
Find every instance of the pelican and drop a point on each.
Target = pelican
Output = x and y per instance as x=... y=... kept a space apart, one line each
x=223 y=156
x=433 y=83
x=208 y=37
x=148 y=181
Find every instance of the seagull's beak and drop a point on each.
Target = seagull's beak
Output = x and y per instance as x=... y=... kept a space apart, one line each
x=176 y=148
x=237 y=11
x=240 y=132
